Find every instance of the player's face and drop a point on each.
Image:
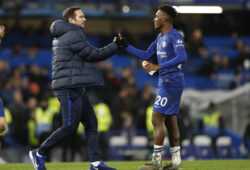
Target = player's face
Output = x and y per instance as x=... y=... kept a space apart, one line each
x=160 y=19
x=79 y=19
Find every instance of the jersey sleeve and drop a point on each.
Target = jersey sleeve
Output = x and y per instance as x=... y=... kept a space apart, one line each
x=1 y=109
x=181 y=56
x=145 y=55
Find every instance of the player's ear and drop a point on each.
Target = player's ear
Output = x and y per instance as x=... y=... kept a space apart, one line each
x=165 y=19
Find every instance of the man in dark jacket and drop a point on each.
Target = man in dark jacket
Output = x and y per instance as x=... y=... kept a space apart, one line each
x=73 y=68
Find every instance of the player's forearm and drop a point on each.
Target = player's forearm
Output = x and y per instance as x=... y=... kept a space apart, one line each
x=179 y=59
x=137 y=52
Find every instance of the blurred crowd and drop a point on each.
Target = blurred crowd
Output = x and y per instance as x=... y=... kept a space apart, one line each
x=233 y=58
x=32 y=111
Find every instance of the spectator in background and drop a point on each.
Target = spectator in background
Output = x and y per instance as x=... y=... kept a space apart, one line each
x=24 y=88
x=20 y=117
x=210 y=67
x=145 y=99
x=44 y=78
x=104 y=118
x=31 y=107
x=35 y=90
x=15 y=77
x=34 y=73
x=184 y=122
x=224 y=63
x=4 y=68
x=17 y=51
x=213 y=124
x=127 y=125
x=31 y=51
x=112 y=84
x=237 y=80
x=195 y=44
x=119 y=104
x=7 y=93
x=243 y=59
x=239 y=44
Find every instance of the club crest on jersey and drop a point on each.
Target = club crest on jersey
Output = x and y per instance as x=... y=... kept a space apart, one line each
x=163 y=43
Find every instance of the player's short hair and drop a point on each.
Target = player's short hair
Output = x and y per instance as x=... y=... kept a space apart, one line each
x=70 y=13
x=169 y=10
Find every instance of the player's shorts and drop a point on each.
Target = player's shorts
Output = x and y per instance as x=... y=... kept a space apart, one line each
x=169 y=95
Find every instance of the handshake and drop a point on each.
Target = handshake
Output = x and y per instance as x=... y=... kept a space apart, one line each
x=121 y=42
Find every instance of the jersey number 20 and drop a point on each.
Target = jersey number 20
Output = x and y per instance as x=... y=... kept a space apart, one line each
x=161 y=101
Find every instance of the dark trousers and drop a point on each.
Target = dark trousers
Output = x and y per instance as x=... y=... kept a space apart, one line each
x=76 y=108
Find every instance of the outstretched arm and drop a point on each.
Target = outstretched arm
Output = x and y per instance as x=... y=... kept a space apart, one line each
x=84 y=49
x=145 y=55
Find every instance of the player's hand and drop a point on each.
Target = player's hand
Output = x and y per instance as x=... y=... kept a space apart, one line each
x=122 y=42
x=151 y=67
x=2 y=31
x=115 y=39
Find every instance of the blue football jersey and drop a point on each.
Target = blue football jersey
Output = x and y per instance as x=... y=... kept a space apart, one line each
x=169 y=46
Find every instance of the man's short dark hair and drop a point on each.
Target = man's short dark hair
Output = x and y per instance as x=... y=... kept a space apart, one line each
x=70 y=13
x=169 y=10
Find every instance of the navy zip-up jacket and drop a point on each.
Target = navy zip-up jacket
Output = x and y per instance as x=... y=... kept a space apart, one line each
x=73 y=58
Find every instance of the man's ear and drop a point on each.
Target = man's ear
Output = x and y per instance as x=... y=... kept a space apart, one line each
x=71 y=20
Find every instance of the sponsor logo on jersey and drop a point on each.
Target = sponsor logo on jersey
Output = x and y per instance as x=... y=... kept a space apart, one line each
x=162 y=54
x=179 y=43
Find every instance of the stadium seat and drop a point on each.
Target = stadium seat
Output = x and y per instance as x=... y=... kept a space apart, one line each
x=199 y=82
x=246 y=40
x=224 y=78
x=139 y=145
x=5 y=54
x=93 y=40
x=202 y=147
x=214 y=41
x=187 y=152
x=121 y=61
x=44 y=58
x=117 y=146
x=143 y=78
x=223 y=146
x=231 y=54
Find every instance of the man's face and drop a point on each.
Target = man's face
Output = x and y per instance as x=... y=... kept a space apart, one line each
x=160 y=19
x=79 y=19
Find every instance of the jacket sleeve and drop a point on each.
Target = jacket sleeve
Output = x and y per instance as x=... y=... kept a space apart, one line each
x=80 y=46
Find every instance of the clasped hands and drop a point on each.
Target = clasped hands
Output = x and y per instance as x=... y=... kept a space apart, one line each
x=122 y=43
